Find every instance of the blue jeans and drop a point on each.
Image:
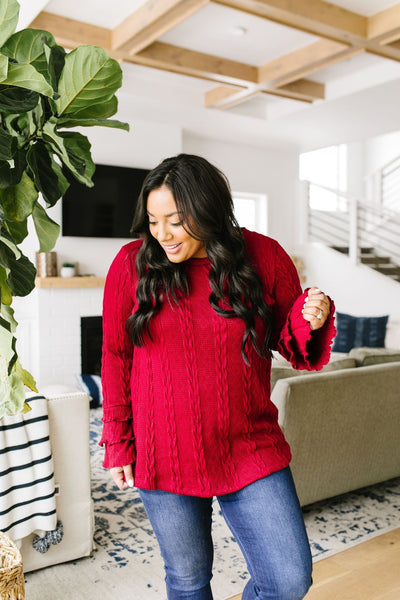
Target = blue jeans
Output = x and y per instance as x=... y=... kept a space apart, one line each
x=266 y=519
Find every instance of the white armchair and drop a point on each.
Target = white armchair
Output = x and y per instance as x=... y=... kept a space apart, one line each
x=69 y=438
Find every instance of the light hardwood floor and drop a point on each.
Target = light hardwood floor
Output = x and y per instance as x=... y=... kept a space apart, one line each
x=369 y=571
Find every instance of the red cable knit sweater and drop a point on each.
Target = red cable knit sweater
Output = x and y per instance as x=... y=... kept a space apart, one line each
x=187 y=411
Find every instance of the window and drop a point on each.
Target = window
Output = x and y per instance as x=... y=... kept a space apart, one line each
x=326 y=167
x=251 y=211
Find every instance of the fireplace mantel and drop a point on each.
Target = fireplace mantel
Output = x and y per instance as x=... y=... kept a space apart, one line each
x=69 y=282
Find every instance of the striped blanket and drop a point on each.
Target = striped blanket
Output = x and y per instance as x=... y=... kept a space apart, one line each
x=27 y=491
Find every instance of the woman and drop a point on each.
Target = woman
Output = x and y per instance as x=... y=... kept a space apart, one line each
x=191 y=314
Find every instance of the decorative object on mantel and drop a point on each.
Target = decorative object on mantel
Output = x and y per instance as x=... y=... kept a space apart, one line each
x=45 y=94
x=46 y=264
x=68 y=270
x=299 y=264
x=12 y=583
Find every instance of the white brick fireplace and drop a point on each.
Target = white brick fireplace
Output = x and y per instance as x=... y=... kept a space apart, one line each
x=49 y=330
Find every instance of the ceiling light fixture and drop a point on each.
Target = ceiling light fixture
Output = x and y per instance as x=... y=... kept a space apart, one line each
x=239 y=31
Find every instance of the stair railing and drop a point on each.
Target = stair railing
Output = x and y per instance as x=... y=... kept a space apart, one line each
x=383 y=185
x=338 y=219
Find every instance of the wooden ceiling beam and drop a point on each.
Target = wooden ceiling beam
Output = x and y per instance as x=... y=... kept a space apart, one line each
x=297 y=65
x=389 y=51
x=384 y=27
x=226 y=96
x=196 y=64
x=213 y=97
x=305 y=90
x=317 y=17
x=287 y=95
x=149 y=22
x=238 y=97
x=71 y=33
x=342 y=34
x=304 y=61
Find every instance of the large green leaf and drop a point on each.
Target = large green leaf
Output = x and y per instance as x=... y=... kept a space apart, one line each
x=8 y=314
x=47 y=174
x=56 y=60
x=12 y=395
x=3 y=322
x=18 y=200
x=26 y=76
x=18 y=230
x=97 y=111
x=72 y=122
x=28 y=47
x=26 y=377
x=89 y=77
x=6 y=295
x=8 y=145
x=5 y=175
x=26 y=125
x=74 y=155
x=11 y=246
x=78 y=148
x=9 y=10
x=12 y=175
x=21 y=278
x=3 y=67
x=15 y=100
x=6 y=351
x=47 y=230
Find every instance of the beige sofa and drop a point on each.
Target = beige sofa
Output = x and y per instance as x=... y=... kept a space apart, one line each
x=69 y=438
x=343 y=424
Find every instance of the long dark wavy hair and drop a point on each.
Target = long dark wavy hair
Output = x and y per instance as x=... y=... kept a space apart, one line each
x=204 y=203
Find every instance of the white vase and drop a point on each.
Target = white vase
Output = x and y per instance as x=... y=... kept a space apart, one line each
x=67 y=272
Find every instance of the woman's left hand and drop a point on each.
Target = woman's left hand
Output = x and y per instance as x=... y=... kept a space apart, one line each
x=316 y=308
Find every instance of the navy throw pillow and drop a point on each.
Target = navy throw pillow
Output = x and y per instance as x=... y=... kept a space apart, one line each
x=91 y=384
x=357 y=332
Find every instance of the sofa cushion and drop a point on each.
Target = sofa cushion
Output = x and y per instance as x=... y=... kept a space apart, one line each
x=356 y=332
x=282 y=369
x=374 y=356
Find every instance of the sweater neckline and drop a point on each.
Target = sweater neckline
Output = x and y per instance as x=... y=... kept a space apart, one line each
x=198 y=262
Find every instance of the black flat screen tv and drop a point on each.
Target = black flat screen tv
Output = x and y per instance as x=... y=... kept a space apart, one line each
x=106 y=210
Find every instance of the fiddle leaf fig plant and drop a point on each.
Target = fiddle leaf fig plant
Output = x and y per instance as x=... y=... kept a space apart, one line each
x=44 y=93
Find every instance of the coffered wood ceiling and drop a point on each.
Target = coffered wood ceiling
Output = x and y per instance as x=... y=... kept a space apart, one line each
x=332 y=34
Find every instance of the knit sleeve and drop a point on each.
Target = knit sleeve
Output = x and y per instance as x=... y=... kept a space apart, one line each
x=296 y=341
x=118 y=303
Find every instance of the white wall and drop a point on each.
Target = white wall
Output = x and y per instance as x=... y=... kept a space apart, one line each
x=381 y=150
x=364 y=159
x=273 y=172
x=356 y=169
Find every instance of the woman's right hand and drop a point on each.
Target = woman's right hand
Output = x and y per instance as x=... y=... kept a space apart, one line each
x=122 y=476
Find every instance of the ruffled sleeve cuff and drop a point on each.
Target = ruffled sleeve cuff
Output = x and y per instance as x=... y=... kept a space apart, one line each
x=119 y=454
x=299 y=344
x=117 y=437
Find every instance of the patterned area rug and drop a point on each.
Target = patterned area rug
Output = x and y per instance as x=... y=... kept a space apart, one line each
x=126 y=561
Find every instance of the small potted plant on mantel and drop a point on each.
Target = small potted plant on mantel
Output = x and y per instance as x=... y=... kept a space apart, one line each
x=44 y=93
x=68 y=269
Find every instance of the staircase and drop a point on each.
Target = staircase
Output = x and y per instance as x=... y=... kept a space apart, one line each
x=368 y=234
x=382 y=264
